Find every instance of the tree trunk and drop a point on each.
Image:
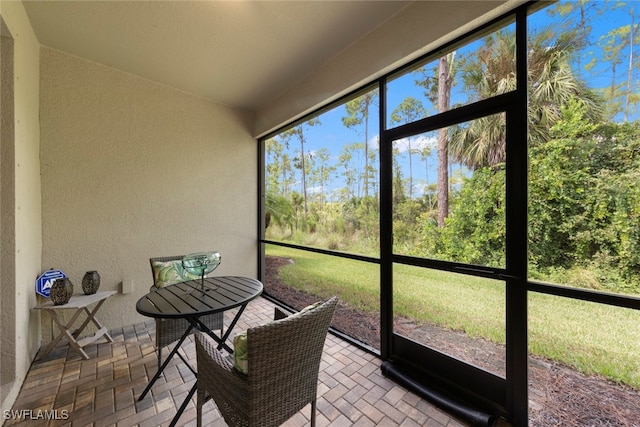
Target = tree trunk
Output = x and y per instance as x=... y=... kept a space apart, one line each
x=304 y=173
x=444 y=92
x=632 y=33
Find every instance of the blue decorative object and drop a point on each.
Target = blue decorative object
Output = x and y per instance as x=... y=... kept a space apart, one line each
x=45 y=281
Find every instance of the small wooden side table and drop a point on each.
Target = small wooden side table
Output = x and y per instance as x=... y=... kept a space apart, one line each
x=79 y=303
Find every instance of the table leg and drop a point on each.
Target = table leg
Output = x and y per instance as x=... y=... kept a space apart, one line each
x=176 y=417
x=166 y=362
x=64 y=332
x=222 y=341
x=196 y=323
x=91 y=317
x=80 y=306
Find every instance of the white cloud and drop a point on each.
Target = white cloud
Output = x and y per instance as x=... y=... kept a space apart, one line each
x=417 y=143
x=374 y=142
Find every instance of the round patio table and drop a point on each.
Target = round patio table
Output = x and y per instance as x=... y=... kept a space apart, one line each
x=187 y=301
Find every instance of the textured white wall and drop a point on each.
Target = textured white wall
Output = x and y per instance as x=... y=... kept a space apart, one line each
x=25 y=326
x=132 y=169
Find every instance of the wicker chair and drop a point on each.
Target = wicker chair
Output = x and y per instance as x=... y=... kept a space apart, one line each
x=283 y=359
x=170 y=330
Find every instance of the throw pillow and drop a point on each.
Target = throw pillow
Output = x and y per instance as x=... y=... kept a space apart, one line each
x=167 y=273
x=240 y=353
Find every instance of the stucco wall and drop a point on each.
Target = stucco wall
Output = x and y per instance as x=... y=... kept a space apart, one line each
x=24 y=322
x=132 y=169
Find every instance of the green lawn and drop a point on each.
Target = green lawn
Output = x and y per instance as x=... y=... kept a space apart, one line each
x=593 y=338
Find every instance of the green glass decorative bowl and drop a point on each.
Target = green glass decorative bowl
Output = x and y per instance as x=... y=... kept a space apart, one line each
x=201 y=263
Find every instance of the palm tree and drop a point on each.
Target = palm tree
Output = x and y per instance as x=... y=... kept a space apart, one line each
x=491 y=71
x=279 y=210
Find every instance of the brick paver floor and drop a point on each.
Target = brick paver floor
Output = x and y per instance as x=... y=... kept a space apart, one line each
x=103 y=390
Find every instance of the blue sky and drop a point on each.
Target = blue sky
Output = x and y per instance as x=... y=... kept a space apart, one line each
x=333 y=135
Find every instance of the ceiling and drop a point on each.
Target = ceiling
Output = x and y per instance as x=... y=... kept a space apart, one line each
x=237 y=53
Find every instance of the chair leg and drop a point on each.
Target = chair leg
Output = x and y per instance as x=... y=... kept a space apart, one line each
x=313 y=413
x=158 y=344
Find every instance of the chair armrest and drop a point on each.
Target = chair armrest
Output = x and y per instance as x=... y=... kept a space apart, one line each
x=220 y=380
x=215 y=363
x=206 y=349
